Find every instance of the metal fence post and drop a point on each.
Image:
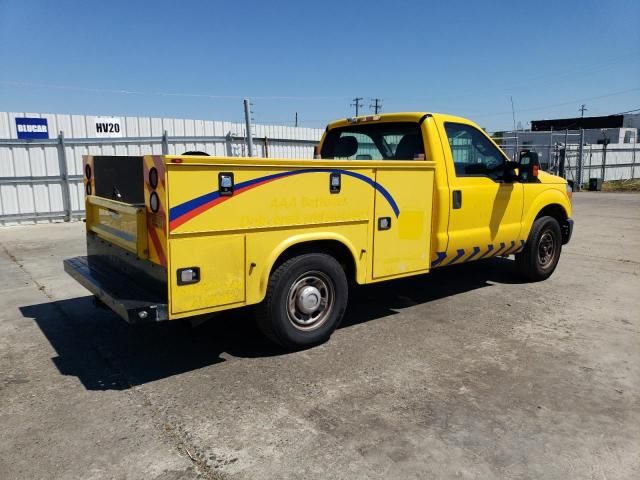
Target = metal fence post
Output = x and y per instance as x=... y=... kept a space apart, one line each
x=633 y=157
x=578 y=184
x=165 y=143
x=228 y=144
x=604 y=159
x=563 y=163
x=550 y=147
x=64 y=177
x=247 y=121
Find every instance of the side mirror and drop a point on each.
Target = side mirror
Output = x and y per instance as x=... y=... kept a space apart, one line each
x=510 y=172
x=529 y=165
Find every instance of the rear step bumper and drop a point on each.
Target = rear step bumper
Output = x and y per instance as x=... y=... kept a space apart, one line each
x=117 y=291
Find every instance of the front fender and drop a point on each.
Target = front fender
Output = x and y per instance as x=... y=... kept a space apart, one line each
x=545 y=198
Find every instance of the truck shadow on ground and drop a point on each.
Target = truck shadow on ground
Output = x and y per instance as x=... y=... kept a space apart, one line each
x=105 y=353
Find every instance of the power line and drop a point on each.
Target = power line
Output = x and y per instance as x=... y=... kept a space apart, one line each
x=496 y=89
x=572 y=102
x=628 y=111
x=121 y=91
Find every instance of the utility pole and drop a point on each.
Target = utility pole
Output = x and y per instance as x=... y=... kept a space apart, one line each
x=377 y=105
x=513 y=114
x=247 y=121
x=583 y=108
x=357 y=102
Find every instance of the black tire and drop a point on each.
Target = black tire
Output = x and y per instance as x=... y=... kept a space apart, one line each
x=542 y=251
x=295 y=288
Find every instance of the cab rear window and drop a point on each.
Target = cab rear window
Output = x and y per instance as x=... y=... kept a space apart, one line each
x=375 y=141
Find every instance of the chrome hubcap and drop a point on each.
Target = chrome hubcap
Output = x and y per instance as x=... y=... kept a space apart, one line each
x=310 y=300
x=546 y=249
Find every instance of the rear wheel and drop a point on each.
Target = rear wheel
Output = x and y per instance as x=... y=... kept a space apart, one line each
x=541 y=253
x=305 y=302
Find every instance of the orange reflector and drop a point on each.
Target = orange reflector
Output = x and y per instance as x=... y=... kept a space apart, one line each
x=535 y=170
x=176 y=160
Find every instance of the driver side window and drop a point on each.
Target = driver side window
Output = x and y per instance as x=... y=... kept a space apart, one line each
x=473 y=154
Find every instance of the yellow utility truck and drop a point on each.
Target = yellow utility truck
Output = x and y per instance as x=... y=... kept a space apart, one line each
x=386 y=196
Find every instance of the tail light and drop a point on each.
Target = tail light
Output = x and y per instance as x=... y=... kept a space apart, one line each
x=153 y=177
x=154 y=202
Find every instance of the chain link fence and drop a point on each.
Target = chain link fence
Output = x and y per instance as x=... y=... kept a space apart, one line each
x=567 y=155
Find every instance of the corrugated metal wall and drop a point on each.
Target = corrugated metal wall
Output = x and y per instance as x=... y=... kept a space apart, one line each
x=31 y=184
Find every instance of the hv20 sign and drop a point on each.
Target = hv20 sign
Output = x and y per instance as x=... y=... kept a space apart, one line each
x=32 y=128
x=108 y=127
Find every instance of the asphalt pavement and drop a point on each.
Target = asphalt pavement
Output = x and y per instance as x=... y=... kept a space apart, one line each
x=464 y=373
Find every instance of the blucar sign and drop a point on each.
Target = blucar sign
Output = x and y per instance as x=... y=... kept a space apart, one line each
x=32 y=128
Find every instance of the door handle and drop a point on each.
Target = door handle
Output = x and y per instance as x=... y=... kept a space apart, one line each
x=457 y=199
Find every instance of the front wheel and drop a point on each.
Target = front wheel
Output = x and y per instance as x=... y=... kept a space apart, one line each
x=540 y=256
x=305 y=302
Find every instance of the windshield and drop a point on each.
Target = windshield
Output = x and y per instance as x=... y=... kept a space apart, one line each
x=375 y=141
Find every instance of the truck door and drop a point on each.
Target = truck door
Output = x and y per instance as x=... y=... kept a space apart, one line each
x=401 y=238
x=486 y=212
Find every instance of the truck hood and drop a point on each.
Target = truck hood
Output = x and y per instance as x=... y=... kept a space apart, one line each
x=548 y=178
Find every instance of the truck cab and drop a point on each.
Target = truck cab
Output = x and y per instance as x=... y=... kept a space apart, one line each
x=386 y=196
x=483 y=205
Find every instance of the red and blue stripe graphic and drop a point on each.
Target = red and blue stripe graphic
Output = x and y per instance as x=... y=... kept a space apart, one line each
x=184 y=212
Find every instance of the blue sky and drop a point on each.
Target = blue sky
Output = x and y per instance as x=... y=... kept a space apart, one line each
x=197 y=59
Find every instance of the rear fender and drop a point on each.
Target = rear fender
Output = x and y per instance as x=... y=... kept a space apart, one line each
x=301 y=239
